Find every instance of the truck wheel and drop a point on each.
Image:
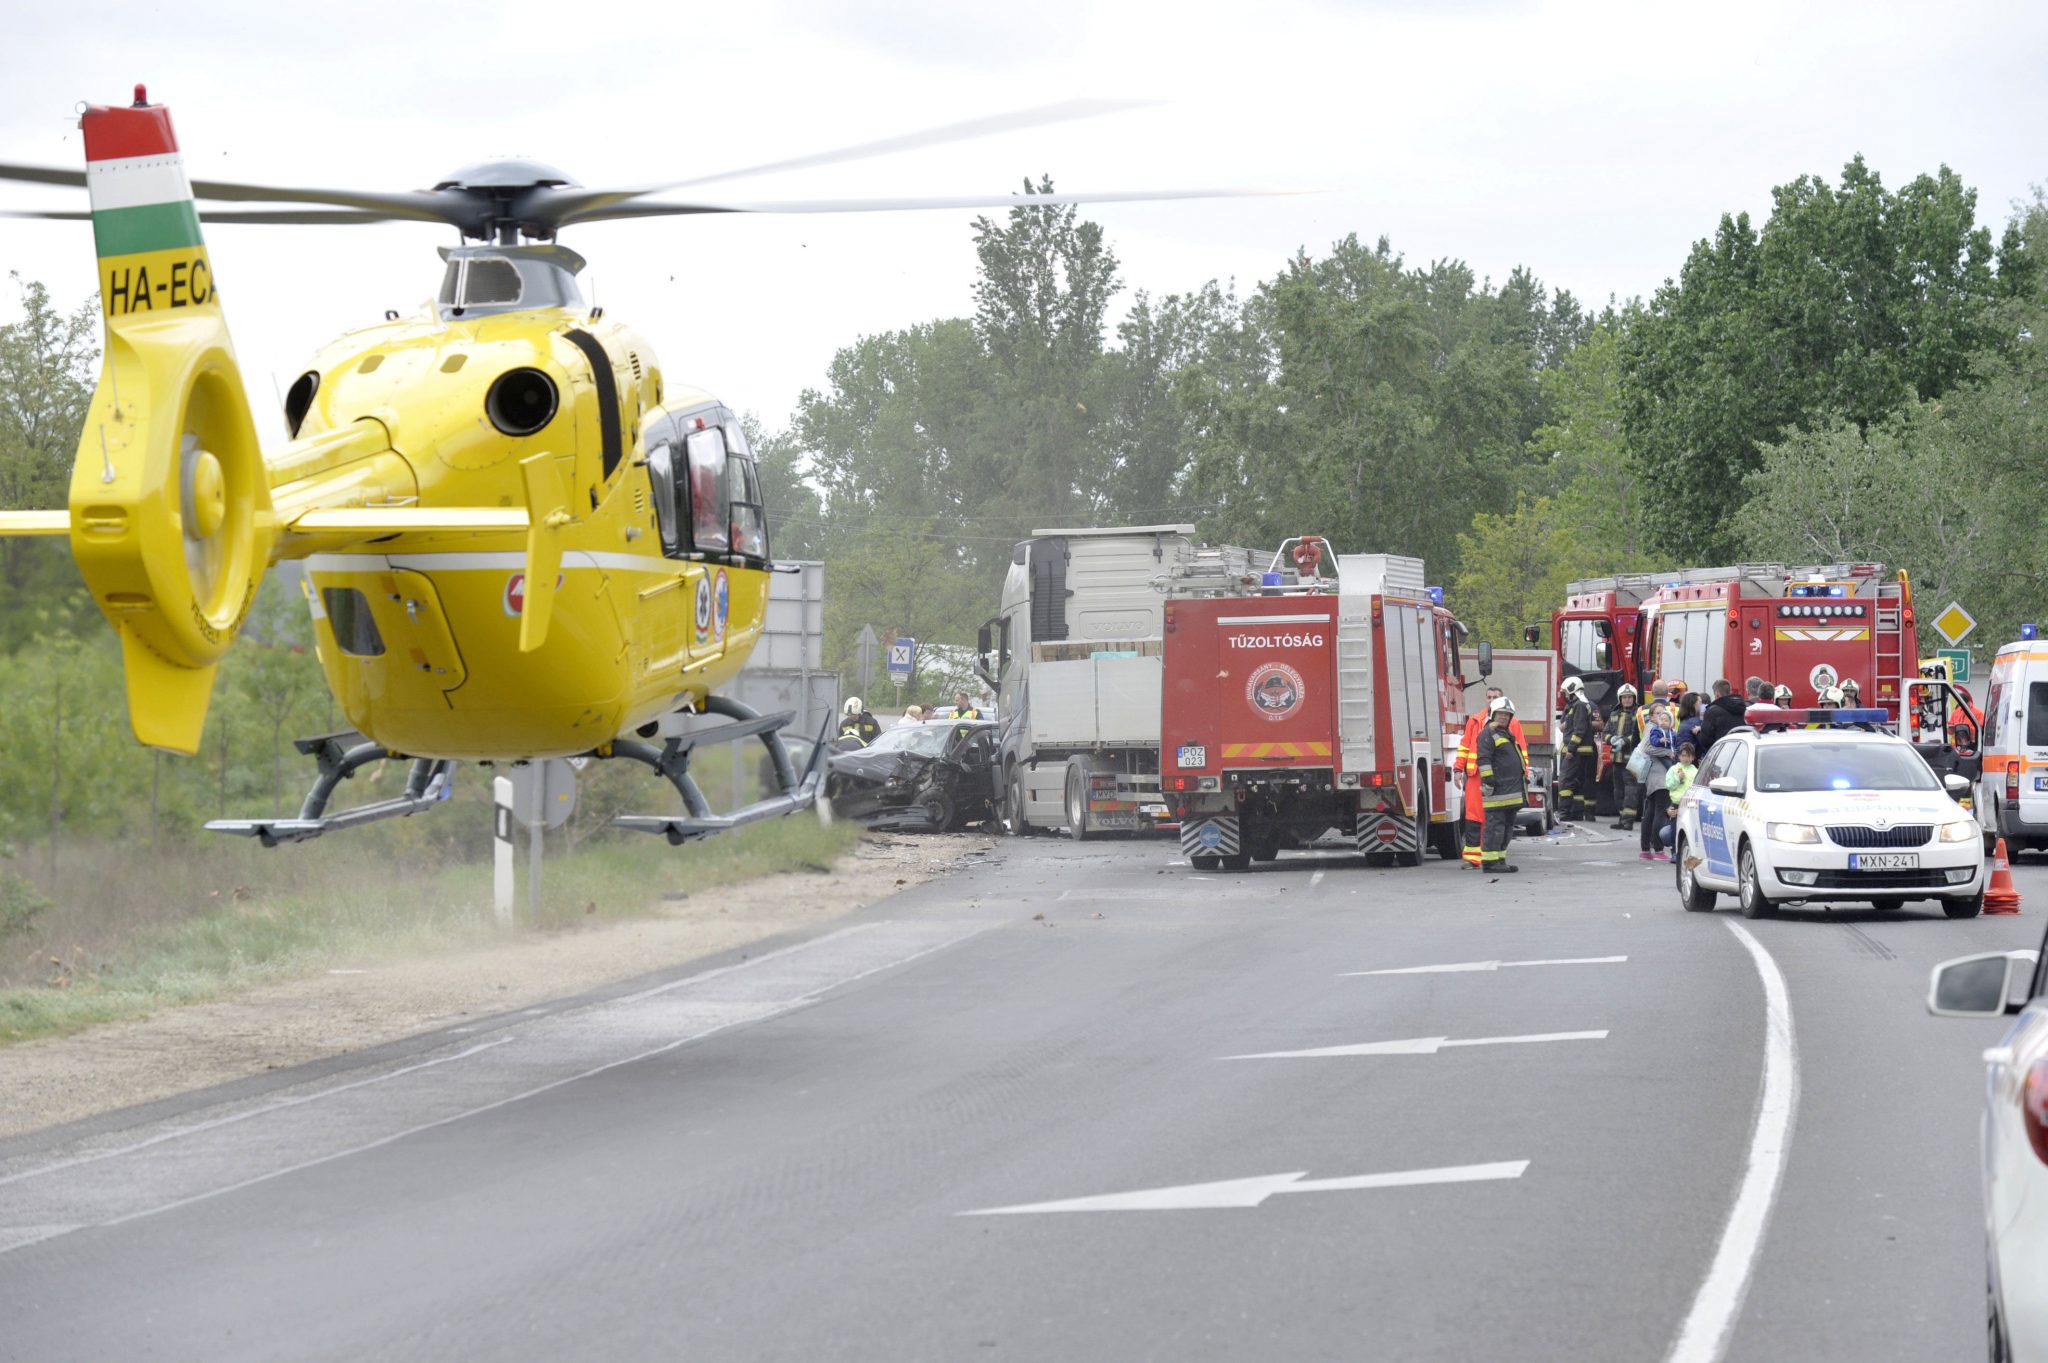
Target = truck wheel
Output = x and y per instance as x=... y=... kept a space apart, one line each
x=1421 y=833
x=1205 y=861
x=1077 y=806
x=1012 y=818
x=1237 y=861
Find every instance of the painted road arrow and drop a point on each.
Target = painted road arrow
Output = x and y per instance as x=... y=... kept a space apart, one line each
x=1486 y=965
x=1421 y=1045
x=1250 y=1192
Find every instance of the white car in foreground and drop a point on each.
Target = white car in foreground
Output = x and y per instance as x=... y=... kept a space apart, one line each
x=2015 y=1136
x=1783 y=815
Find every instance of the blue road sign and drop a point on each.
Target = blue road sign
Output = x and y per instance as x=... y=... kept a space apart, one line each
x=902 y=659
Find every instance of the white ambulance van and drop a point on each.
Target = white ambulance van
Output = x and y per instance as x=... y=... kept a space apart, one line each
x=2012 y=792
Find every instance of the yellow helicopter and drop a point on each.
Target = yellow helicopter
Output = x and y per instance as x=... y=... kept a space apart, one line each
x=520 y=539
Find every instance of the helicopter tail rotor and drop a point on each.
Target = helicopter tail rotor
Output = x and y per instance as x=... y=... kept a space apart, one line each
x=170 y=519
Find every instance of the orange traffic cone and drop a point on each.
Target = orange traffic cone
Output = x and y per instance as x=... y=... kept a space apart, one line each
x=2001 y=897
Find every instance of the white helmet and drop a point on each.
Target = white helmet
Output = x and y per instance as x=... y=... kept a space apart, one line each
x=1850 y=687
x=1499 y=704
x=1626 y=692
x=1572 y=687
x=852 y=706
x=1783 y=695
x=1831 y=695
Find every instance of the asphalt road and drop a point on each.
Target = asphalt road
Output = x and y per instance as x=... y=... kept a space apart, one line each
x=843 y=1147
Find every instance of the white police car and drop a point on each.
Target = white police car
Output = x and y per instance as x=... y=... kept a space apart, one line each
x=1781 y=813
x=2014 y=1135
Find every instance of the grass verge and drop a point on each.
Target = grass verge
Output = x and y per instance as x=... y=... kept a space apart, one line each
x=148 y=933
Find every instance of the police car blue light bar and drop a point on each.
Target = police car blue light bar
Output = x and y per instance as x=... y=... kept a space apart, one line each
x=1785 y=717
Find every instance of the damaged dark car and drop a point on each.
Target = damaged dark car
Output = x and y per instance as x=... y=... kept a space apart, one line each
x=925 y=778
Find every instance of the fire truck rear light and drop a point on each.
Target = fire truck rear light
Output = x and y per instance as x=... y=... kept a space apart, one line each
x=1380 y=779
x=2034 y=1108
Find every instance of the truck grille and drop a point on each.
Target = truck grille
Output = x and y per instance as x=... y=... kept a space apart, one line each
x=1857 y=835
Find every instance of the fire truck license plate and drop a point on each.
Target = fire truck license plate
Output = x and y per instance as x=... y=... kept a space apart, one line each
x=1884 y=861
x=1192 y=755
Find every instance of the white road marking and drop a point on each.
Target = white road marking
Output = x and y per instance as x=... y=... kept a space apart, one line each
x=1703 y=1338
x=1421 y=1045
x=1316 y=879
x=179 y=1132
x=1463 y=966
x=1250 y=1192
x=574 y=1044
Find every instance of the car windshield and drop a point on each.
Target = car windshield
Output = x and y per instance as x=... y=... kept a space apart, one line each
x=1842 y=766
x=923 y=739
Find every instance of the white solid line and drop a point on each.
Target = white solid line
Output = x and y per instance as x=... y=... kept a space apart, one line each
x=539 y=1089
x=265 y=1110
x=1420 y=1045
x=1484 y=965
x=1703 y=1338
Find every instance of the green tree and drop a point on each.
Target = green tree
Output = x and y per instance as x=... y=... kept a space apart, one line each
x=1583 y=457
x=1850 y=301
x=1515 y=569
x=48 y=360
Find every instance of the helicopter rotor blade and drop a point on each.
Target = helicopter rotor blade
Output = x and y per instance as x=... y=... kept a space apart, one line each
x=418 y=205
x=574 y=205
x=324 y=217
x=42 y=175
x=892 y=205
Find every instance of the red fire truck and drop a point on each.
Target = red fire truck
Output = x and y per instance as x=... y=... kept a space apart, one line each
x=1315 y=706
x=1804 y=627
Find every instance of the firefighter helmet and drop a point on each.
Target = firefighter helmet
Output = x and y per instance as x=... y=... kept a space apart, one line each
x=1850 y=689
x=852 y=706
x=1499 y=704
x=1783 y=695
x=1831 y=696
x=1572 y=688
x=1625 y=692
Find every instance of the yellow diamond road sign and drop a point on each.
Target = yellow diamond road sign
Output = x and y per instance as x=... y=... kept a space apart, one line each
x=1954 y=624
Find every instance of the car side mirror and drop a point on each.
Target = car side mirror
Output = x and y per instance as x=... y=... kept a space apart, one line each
x=1725 y=785
x=1977 y=986
x=1603 y=656
x=1485 y=658
x=1531 y=634
x=1957 y=785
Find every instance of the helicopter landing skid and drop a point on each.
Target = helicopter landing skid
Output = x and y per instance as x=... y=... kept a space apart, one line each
x=340 y=756
x=799 y=789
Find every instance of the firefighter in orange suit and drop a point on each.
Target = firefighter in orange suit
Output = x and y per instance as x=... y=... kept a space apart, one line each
x=1468 y=763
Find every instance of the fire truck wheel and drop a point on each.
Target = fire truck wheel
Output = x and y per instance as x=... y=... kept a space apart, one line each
x=1237 y=861
x=1379 y=858
x=1443 y=840
x=1421 y=834
x=1077 y=805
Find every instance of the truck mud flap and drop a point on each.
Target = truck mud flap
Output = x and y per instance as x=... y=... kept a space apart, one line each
x=1379 y=831
x=1212 y=835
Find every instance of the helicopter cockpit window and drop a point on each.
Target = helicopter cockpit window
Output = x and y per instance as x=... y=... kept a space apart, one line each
x=661 y=479
x=710 y=491
x=749 y=524
x=355 y=630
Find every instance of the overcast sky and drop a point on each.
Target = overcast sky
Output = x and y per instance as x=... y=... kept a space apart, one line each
x=1590 y=142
